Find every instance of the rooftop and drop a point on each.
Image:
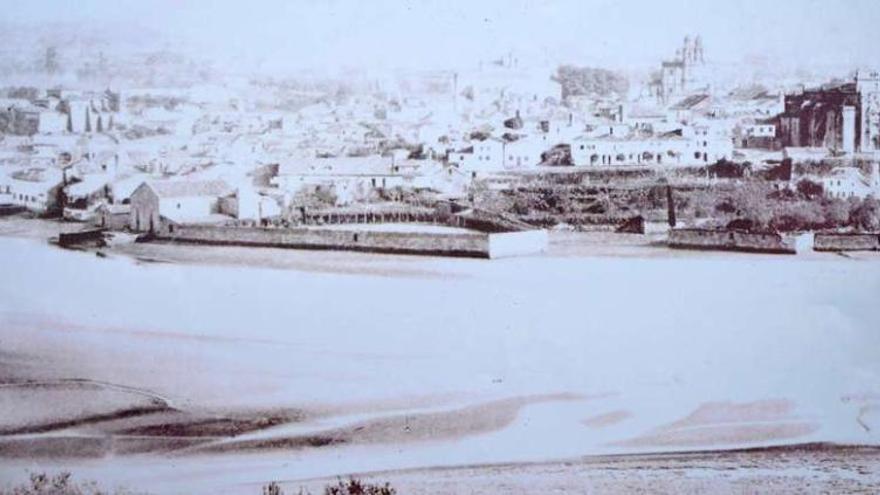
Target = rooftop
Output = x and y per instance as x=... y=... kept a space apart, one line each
x=181 y=189
x=690 y=102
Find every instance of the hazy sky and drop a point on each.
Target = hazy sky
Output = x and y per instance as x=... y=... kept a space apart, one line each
x=435 y=33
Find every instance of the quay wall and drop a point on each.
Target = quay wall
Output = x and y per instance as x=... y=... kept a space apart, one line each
x=846 y=242
x=731 y=240
x=458 y=244
x=73 y=238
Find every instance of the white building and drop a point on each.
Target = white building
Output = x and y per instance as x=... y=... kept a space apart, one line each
x=524 y=153
x=484 y=156
x=850 y=182
x=347 y=179
x=156 y=202
x=249 y=204
x=498 y=155
x=692 y=147
x=35 y=189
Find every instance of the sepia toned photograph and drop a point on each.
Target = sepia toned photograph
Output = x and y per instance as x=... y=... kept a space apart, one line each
x=427 y=247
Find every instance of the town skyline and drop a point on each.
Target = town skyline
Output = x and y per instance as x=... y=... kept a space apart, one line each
x=503 y=247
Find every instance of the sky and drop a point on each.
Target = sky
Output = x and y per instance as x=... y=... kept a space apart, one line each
x=447 y=33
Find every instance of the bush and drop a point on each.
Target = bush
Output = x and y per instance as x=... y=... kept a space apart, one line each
x=728 y=170
x=866 y=215
x=351 y=487
x=837 y=213
x=60 y=484
x=357 y=487
x=809 y=189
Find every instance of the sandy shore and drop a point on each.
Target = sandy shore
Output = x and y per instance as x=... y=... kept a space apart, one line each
x=224 y=368
x=802 y=469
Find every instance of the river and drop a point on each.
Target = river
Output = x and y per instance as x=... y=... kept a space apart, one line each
x=608 y=354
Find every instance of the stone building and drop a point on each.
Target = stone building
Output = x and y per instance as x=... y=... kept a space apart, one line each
x=682 y=74
x=843 y=117
x=155 y=202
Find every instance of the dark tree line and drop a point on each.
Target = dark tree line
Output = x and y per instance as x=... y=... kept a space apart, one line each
x=580 y=81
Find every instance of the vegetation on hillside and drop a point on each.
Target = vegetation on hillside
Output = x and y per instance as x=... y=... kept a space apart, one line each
x=589 y=81
x=747 y=203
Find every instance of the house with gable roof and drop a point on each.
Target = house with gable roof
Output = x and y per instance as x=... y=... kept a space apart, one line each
x=156 y=203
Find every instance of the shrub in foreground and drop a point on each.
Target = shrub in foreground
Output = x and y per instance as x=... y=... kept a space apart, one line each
x=352 y=486
x=60 y=484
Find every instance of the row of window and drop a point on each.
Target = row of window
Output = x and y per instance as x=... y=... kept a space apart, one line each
x=25 y=198
x=842 y=194
x=646 y=156
x=767 y=129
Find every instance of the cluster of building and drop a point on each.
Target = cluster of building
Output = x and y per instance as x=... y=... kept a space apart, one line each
x=232 y=150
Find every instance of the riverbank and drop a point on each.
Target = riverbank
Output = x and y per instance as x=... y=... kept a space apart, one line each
x=562 y=244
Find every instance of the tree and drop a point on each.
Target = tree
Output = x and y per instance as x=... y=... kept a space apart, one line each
x=809 y=189
x=578 y=81
x=88 y=127
x=99 y=126
x=837 y=213
x=866 y=216
x=69 y=121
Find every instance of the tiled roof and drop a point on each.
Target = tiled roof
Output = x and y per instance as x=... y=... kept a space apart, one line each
x=690 y=102
x=183 y=188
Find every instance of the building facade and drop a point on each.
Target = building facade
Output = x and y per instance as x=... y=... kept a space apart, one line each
x=840 y=117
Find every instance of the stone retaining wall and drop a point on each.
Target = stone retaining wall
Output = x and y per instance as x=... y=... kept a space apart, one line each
x=731 y=240
x=477 y=244
x=846 y=242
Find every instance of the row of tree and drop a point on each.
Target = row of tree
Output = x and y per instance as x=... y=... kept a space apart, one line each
x=590 y=81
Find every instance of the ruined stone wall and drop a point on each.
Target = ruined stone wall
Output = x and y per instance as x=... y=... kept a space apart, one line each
x=458 y=244
x=732 y=240
x=847 y=242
